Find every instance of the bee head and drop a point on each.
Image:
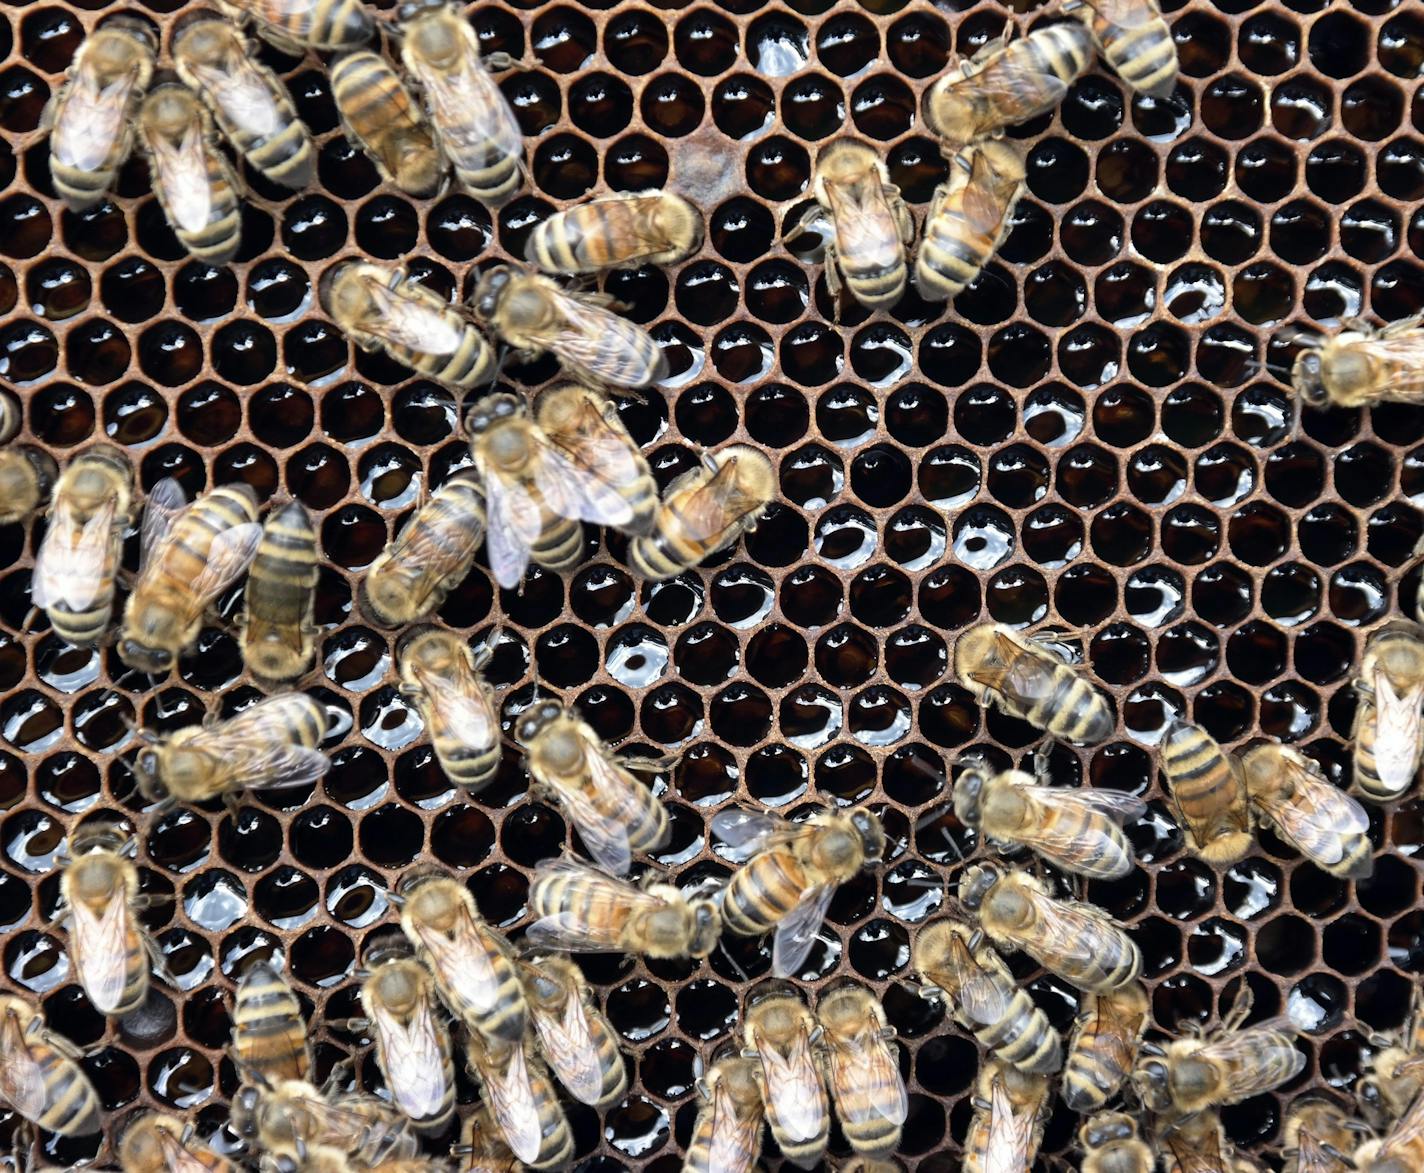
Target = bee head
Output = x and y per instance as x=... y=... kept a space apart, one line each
x=1103 y=1130
x=536 y=720
x=140 y=30
x=145 y=771
x=976 y=884
x=489 y=291
x=491 y=410
x=969 y=796
x=872 y=834
x=1151 y=1080
x=1308 y=377
x=413 y=8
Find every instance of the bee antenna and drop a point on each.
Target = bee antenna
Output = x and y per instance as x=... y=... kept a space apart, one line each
x=933 y=815
x=732 y=961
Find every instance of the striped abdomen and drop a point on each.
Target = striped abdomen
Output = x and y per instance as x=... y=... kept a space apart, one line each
x=1367 y=770
x=379 y=112
x=325 y=24
x=762 y=892
x=952 y=252
x=1103 y=1047
x=559 y=545
x=1023 y=1037
x=72 y=1106
x=1143 y=54
x=26 y=478
x=619 y=230
x=217 y=241
x=1071 y=708
x=285 y=155
x=268 y=1034
x=610 y=1059
x=432 y=555
x=578 y=902
x=1209 y=793
x=1018 y=76
x=556 y=1145
x=281 y=593
x=186 y=552
x=470 y=364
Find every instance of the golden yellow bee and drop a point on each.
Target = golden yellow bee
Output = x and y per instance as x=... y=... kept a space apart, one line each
x=1325 y=824
x=1319 y=1136
x=412 y=1042
x=27 y=476
x=155 y=1142
x=1079 y=942
x=622 y=230
x=1102 y=1050
x=386 y=310
x=582 y=910
x=726 y=1136
x=1400 y=1150
x=779 y=1031
x=278 y=636
x=40 y=1076
x=294 y=1117
x=269 y=1035
x=381 y=116
x=191 y=554
x=593 y=344
x=521 y=1099
x=863 y=1070
x=1195 y=1144
x=969 y=216
x=77 y=563
x=704 y=511
x=482 y=1148
x=790 y=873
x=577 y=1041
x=1361 y=365
x=1134 y=39
x=1011 y=1108
x=441 y=675
x=248 y=101
x=1389 y=720
x=1209 y=793
x=293 y=26
x=1113 y=1143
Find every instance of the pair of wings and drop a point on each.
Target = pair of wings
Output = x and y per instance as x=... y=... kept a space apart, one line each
x=1115 y=1031
x=568 y=1042
x=599 y=810
x=417 y=1063
x=229 y=554
x=1024 y=675
x=76 y=563
x=712 y=509
x=865 y=1076
x=182 y=179
x=734 y=1135
x=1318 y=818
x=473 y=119
x=1070 y=936
x=1399 y=731
x=980 y=993
x=1011 y=1144
x=865 y=225
x=1078 y=830
x=470 y=968
x=92 y=120
x=565 y=930
x=1258 y=1059
x=459 y=706
x=795 y=1097
x=400 y=316
x=243 y=95
x=22 y=1080
x=101 y=946
x=982 y=197
x=601 y=343
x=513 y=1104
x=255 y=749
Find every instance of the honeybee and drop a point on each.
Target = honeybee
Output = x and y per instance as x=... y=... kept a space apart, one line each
x=1112 y=1143
x=791 y=872
x=863 y=1070
x=1394 y=1075
x=1010 y=1110
x=27 y=476
x=778 y=1032
x=155 y=1142
x=383 y=118
x=578 y=1042
x=40 y=1076
x=521 y=1100
x=969 y=216
x=1208 y=791
x=271 y=744
x=293 y=1117
x=1134 y=39
x=293 y=26
x=615 y=814
x=1362 y=365
x=474 y=124
x=704 y=511
x=593 y=344
x=90 y=119
x=1400 y=1150
x=79 y=558
x=955 y=961
x=277 y=629
x=472 y=964
x=269 y=1035
x=191 y=554
x=623 y=230
x=442 y=675
x=870 y=224
x=1195 y=1144
x=1326 y=825
x=726 y=1136
x=1028 y=679
x=247 y=100
x=482 y=1146
x=1102 y=1050
x=1319 y=1136
x=412 y=1043
x=387 y=310
x=430 y=557
x=582 y=910
x=1079 y=942
x=1389 y=728
x=1007 y=83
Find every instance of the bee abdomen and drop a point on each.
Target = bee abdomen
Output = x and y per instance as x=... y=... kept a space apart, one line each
x=877 y=287
x=494 y=182
x=654 y=557
x=948 y=261
x=559 y=545
x=761 y=893
x=556 y=1145
x=284 y=572
x=1064 y=50
x=466 y=765
x=1367 y=777
x=1024 y=1037
x=287 y=157
x=72 y=1105
x=1073 y=710
x=1145 y=57
x=83 y=628
x=80 y=189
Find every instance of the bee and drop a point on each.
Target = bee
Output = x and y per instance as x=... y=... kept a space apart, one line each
x=1319 y=1136
x=726 y=1136
x=969 y=216
x=1079 y=942
x=704 y=511
x=271 y=744
x=1394 y=1075
x=382 y=117
x=582 y=910
x=778 y=1032
x=247 y=100
x=1028 y=679
x=412 y=1043
x=863 y=1070
x=27 y=476
x=482 y=1146
x=191 y=554
x=1361 y=365
x=1389 y=728
x=791 y=872
x=1102 y=1050
x=955 y=961
x=40 y=1076
x=293 y=1117
x=617 y=231
x=1195 y=1144
x=442 y=675
x=1112 y=1143
x=294 y=26
x=277 y=629
x=593 y=344
x=615 y=814
x=269 y=1036
x=1208 y=791
x=473 y=965
x=387 y=310
x=1134 y=39
x=1400 y=1150
x=521 y=1100
x=1326 y=825
x=576 y=1039
x=90 y=119
x=79 y=558
x=430 y=557
x=474 y=123
x=1010 y=1110
x=155 y=1142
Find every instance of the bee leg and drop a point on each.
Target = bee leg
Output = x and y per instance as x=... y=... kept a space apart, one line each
x=1240 y=1008
x=833 y=278
x=281 y=43
x=340 y=1075
x=903 y=220
x=1042 y=760
x=159 y=963
x=356 y=1026
x=500 y=62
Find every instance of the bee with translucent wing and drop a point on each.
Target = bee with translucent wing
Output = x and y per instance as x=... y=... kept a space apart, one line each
x=1011 y=1108
x=294 y=1117
x=1389 y=718
x=1319 y=1136
x=726 y=1136
x=1400 y=1150
x=293 y=26
x=1112 y=1142
x=412 y=1042
x=381 y=116
x=1360 y=365
x=778 y=1031
x=278 y=635
x=1102 y=1051
x=269 y=1034
x=482 y=1148
x=155 y=1142
x=969 y=217
x=863 y=1069
x=441 y=674
x=577 y=1041
x=626 y=229
x=1134 y=39
x=1325 y=824
x=40 y=1076
x=522 y=1102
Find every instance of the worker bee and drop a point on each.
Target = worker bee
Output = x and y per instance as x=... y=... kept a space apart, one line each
x=704 y=511
x=576 y=1039
x=79 y=558
x=1027 y=678
x=247 y=100
x=473 y=965
x=1134 y=39
x=622 y=230
x=791 y=872
x=40 y=1076
x=1195 y=1144
x=386 y=310
x=1389 y=727
x=1326 y=825
x=155 y=1142
x=1394 y=1075
x=1112 y=1143
x=1319 y=1136
x=1011 y=1108
x=1209 y=793
x=474 y=123
x=521 y=1100
x=863 y=1070
x=1400 y=1150
x=191 y=554
x=778 y=1031
x=593 y=344
x=90 y=119
x=726 y=1136
x=1006 y=83
x=615 y=814
x=277 y=629
x=585 y=427
x=412 y=1043
x=482 y=1148
x=27 y=476
x=293 y=1117
x=1361 y=365
x=1079 y=942
x=969 y=216
x=430 y=557
x=271 y=744
x=269 y=1035
x=441 y=675
x=1102 y=1050
x=293 y=26
x=383 y=118
x=583 y=910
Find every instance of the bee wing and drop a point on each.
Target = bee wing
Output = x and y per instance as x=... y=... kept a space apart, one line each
x=1196 y=1155
x=1085 y=839
x=465 y=714
x=243 y=95
x=982 y=203
x=1068 y=931
x=1316 y=816
x=795 y=1095
x=797 y=932
x=513 y=522
x=22 y=1081
x=412 y=322
x=92 y=120
x=1407 y=1136
x=278 y=767
x=864 y=224
x=230 y=554
x=1399 y=724
x=715 y=507
x=736 y=1138
x=165 y=502
x=513 y=1106
x=73 y=562
x=601 y=343
x=606 y=840
x=177 y=1158
x=588 y=463
x=415 y=1061
x=563 y=930
x=471 y=112
x=1257 y=1047
x=1010 y=1133
x=980 y=994
x=183 y=178
x=746 y=832
x=1125 y=14
x=463 y=962
x=572 y=1050
x=868 y=1061
x=100 y=945
x=1002 y=84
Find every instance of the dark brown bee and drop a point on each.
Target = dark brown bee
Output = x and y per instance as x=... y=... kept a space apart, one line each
x=382 y=117
x=1209 y=793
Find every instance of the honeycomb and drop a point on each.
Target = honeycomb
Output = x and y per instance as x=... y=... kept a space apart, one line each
x=1091 y=437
